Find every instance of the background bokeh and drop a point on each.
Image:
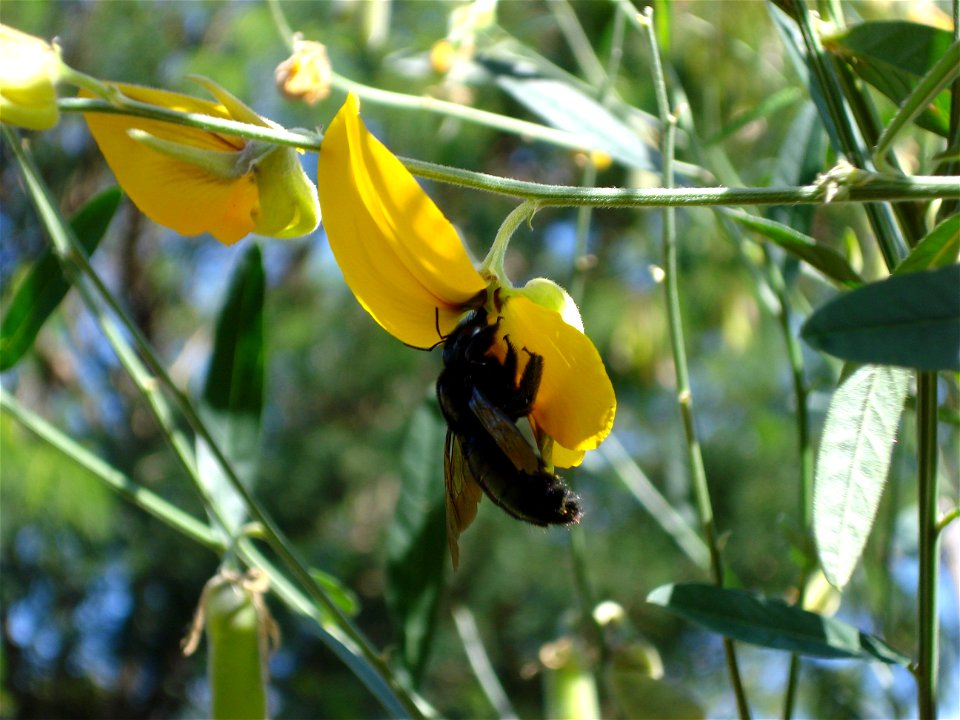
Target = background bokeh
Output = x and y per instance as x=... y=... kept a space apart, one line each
x=96 y=595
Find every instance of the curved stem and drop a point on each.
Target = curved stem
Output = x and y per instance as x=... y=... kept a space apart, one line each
x=493 y=263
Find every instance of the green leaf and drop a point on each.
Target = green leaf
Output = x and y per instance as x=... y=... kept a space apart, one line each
x=893 y=56
x=416 y=541
x=940 y=248
x=233 y=392
x=910 y=320
x=858 y=438
x=45 y=286
x=565 y=107
x=771 y=623
x=340 y=595
x=826 y=260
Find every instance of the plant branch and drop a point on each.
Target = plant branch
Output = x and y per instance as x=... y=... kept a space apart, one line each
x=145 y=499
x=675 y=323
x=927 y=620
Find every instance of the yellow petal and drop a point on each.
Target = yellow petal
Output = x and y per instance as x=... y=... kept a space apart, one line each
x=575 y=404
x=171 y=192
x=400 y=256
x=29 y=69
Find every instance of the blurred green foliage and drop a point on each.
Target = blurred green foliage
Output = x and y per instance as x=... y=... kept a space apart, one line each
x=96 y=595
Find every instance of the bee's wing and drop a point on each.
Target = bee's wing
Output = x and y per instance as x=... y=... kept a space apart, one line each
x=505 y=433
x=463 y=494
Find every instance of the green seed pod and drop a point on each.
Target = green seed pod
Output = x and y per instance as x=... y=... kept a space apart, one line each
x=239 y=631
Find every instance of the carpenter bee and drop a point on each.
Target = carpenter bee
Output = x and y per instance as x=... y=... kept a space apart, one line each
x=482 y=400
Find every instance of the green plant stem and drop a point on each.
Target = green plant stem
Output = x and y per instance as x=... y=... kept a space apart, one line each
x=864 y=187
x=301 y=139
x=76 y=265
x=867 y=187
x=805 y=451
x=947 y=518
x=927 y=620
x=675 y=323
x=140 y=496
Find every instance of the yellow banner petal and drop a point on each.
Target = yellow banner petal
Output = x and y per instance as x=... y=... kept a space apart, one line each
x=401 y=257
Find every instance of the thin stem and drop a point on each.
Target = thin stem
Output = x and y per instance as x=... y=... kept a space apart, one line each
x=675 y=323
x=805 y=451
x=947 y=518
x=125 y=106
x=76 y=265
x=480 y=662
x=927 y=620
x=145 y=499
x=862 y=187
x=493 y=264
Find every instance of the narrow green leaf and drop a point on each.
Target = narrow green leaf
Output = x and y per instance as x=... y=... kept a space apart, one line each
x=565 y=107
x=44 y=286
x=770 y=622
x=852 y=464
x=417 y=541
x=826 y=260
x=910 y=320
x=233 y=392
x=799 y=162
x=780 y=100
x=341 y=596
x=893 y=56
x=940 y=248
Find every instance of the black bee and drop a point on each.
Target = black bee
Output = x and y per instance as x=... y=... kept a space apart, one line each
x=481 y=401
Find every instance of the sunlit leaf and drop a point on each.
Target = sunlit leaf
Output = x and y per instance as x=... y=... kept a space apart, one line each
x=910 y=320
x=233 y=391
x=892 y=55
x=44 y=286
x=565 y=107
x=417 y=542
x=852 y=465
x=341 y=596
x=940 y=248
x=769 y=622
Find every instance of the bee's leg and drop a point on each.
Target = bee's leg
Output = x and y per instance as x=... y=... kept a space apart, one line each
x=521 y=403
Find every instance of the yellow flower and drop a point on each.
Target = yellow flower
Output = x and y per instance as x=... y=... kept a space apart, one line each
x=29 y=70
x=406 y=265
x=195 y=181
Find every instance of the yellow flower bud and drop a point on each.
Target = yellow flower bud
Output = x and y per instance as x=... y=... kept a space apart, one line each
x=306 y=74
x=29 y=70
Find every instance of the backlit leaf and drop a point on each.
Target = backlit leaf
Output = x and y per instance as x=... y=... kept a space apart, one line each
x=852 y=464
x=940 y=248
x=45 y=286
x=233 y=391
x=892 y=55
